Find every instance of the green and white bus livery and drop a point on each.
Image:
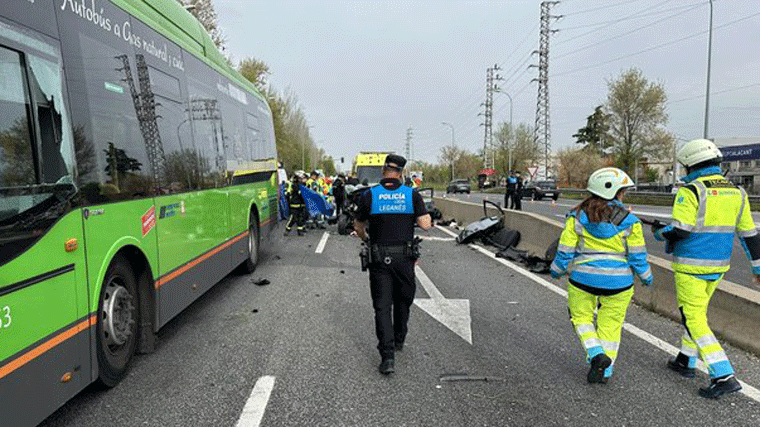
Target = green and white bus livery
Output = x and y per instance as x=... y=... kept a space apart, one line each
x=137 y=169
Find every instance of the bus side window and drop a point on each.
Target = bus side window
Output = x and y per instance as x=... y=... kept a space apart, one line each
x=55 y=139
x=16 y=153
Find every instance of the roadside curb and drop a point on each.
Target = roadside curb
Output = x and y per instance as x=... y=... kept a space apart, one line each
x=734 y=311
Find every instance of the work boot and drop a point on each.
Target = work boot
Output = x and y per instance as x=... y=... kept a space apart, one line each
x=599 y=363
x=720 y=386
x=681 y=365
x=286 y=232
x=386 y=366
x=301 y=232
x=399 y=346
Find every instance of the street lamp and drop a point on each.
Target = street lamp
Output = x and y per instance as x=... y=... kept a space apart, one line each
x=303 y=143
x=453 y=145
x=511 y=130
x=709 y=55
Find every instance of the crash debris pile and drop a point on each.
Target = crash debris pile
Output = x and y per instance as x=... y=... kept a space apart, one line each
x=490 y=230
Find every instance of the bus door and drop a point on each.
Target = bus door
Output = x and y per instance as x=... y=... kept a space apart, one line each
x=44 y=319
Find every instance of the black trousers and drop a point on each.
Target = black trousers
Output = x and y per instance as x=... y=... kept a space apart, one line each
x=339 y=200
x=516 y=201
x=297 y=215
x=509 y=196
x=392 y=287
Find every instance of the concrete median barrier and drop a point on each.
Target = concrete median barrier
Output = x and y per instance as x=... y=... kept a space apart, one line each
x=734 y=311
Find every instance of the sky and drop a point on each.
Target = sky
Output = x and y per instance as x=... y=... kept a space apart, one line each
x=366 y=71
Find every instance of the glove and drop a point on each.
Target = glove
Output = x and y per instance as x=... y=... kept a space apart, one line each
x=555 y=275
x=658 y=230
x=647 y=282
x=657 y=226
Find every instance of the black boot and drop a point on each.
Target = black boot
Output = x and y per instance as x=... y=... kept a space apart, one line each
x=681 y=365
x=599 y=363
x=720 y=386
x=386 y=366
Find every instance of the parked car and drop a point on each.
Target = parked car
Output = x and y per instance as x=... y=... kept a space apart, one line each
x=537 y=190
x=458 y=186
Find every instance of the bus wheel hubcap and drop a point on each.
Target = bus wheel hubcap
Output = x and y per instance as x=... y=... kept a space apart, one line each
x=118 y=315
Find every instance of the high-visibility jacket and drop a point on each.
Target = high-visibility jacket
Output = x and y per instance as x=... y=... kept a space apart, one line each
x=707 y=212
x=602 y=254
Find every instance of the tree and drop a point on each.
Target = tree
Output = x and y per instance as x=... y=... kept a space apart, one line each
x=636 y=110
x=576 y=165
x=594 y=134
x=520 y=140
x=255 y=71
x=204 y=11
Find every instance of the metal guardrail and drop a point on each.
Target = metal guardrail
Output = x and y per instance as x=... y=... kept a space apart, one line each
x=650 y=195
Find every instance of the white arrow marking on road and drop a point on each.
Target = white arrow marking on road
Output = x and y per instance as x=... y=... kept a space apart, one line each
x=452 y=313
x=322 y=243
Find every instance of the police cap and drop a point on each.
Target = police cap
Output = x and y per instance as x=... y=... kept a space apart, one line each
x=395 y=161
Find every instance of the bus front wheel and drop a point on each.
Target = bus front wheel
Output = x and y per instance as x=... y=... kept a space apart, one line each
x=249 y=265
x=116 y=328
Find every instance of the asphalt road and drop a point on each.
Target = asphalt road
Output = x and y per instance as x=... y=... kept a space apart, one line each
x=312 y=329
x=740 y=272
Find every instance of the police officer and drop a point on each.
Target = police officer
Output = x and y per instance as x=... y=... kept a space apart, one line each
x=517 y=195
x=390 y=211
x=296 y=203
x=510 y=190
x=707 y=211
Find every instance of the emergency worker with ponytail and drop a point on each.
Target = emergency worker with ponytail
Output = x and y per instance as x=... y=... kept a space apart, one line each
x=602 y=245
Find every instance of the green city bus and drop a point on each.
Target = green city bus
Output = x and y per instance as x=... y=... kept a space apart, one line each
x=137 y=169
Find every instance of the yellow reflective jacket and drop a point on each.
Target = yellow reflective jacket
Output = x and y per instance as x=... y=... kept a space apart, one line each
x=602 y=254
x=706 y=214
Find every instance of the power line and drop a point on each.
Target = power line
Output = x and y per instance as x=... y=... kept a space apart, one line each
x=654 y=47
x=627 y=33
x=631 y=17
x=600 y=8
x=713 y=93
x=635 y=14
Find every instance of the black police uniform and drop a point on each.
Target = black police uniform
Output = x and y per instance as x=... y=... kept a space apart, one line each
x=391 y=209
x=517 y=195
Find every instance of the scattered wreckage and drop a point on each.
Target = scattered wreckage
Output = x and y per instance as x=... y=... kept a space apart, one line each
x=490 y=230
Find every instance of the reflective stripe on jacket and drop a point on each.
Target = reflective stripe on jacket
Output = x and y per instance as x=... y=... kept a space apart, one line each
x=706 y=214
x=602 y=255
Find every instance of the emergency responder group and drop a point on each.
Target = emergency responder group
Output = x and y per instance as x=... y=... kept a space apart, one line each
x=603 y=246
x=298 y=215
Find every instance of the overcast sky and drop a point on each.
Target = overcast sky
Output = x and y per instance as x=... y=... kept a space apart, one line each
x=366 y=71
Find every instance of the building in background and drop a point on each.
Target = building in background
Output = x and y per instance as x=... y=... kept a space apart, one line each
x=741 y=161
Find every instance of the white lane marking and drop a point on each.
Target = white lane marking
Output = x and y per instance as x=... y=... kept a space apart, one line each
x=452 y=313
x=253 y=411
x=322 y=243
x=437 y=239
x=748 y=390
x=751 y=392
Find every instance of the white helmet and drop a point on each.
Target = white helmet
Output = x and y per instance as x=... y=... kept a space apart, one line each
x=697 y=151
x=606 y=182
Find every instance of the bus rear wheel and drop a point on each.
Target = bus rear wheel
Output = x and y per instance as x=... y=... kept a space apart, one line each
x=116 y=329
